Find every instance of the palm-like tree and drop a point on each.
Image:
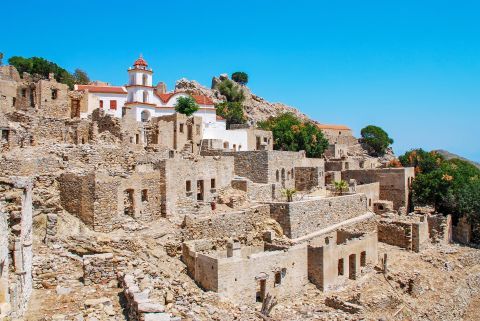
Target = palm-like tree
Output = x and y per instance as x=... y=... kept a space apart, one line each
x=288 y=193
x=341 y=187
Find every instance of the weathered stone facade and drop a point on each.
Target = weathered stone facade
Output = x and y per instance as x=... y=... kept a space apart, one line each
x=408 y=233
x=300 y=218
x=394 y=182
x=15 y=244
x=246 y=274
x=334 y=259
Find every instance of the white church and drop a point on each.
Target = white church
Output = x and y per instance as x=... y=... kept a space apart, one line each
x=140 y=99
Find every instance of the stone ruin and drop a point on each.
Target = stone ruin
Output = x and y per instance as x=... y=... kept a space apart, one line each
x=99 y=208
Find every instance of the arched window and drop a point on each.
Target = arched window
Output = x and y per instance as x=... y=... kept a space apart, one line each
x=277 y=175
x=145 y=97
x=145 y=116
x=283 y=177
x=145 y=80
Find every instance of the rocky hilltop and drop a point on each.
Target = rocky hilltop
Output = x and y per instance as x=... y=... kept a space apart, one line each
x=256 y=107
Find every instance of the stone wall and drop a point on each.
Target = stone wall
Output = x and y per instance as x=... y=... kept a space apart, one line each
x=372 y=191
x=462 y=231
x=185 y=184
x=249 y=273
x=98 y=269
x=139 y=306
x=245 y=222
x=394 y=182
x=16 y=269
x=103 y=201
x=408 y=234
x=300 y=218
x=343 y=257
x=307 y=178
x=440 y=228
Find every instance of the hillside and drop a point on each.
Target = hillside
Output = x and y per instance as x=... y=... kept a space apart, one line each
x=256 y=107
x=449 y=155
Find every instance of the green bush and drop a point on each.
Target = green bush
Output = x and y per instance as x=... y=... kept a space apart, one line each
x=231 y=91
x=232 y=112
x=186 y=105
x=292 y=134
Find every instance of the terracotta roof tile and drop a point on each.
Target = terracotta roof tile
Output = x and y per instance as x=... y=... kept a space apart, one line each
x=334 y=127
x=103 y=89
x=199 y=99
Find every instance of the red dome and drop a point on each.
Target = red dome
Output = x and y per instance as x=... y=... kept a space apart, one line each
x=140 y=62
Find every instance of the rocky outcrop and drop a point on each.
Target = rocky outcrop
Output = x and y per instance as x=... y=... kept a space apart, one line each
x=256 y=107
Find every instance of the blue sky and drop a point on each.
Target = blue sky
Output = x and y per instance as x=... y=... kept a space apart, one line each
x=411 y=67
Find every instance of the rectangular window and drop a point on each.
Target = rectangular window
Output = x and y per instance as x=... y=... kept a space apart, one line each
x=181 y=128
x=278 y=278
x=212 y=183
x=24 y=92
x=340 y=267
x=101 y=103
x=113 y=104
x=188 y=186
x=144 y=195
x=54 y=94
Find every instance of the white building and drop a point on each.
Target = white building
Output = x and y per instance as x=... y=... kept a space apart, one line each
x=142 y=101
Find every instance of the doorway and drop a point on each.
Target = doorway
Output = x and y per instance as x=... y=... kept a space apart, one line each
x=200 y=190
x=261 y=290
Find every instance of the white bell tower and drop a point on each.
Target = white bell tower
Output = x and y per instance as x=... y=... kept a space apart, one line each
x=140 y=89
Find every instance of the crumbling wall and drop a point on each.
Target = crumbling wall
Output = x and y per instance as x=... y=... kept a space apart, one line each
x=98 y=269
x=17 y=205
x=300 y=218
x=394 y=182
x=341 y=257
x=440 y=228
x=372 y=191
x=407 y=234
x=52 y=99
x=307 y=178
x=243 y=222
x=187 y=184
x=462 y=232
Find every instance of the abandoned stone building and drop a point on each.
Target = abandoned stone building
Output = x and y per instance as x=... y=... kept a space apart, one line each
x=340 y=256
x=395 y=183
x=245 y=274
x=132 y=182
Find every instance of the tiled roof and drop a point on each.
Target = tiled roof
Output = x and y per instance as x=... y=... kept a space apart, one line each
x=334 y=127
x=102 y=89
x=140 y=62
x=220 y=118
x=199 y=99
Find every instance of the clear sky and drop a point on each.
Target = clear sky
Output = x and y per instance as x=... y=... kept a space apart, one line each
x=411 y=67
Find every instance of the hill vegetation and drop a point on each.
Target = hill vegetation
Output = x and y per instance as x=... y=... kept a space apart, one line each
x=43 y=67
x=451 y=186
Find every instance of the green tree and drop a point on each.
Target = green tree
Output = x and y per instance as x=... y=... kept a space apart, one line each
x=292 y=134
x=423 y=161
x=450 y=186
x=232 y=91
x=240 y=77
x=81 y=77
x=43 y=67
x=232 y=112
x=376 y=138
x=186 y=105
